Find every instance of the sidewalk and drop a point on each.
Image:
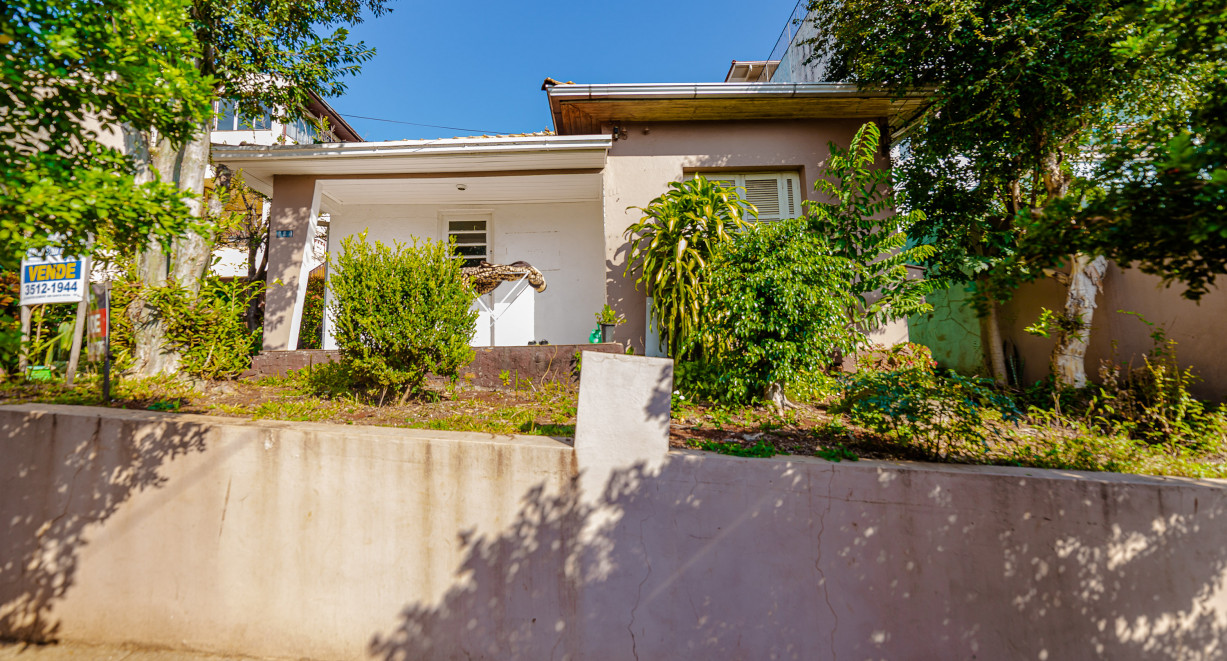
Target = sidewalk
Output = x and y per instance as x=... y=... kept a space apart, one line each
x=81 y=652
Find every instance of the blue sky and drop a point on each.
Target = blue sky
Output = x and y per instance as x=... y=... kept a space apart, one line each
x=479 y=65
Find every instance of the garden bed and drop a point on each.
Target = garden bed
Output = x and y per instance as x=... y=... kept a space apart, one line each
x=810 y=429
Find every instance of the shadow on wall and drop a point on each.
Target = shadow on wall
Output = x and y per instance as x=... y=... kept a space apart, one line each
x=85 y=472
x=717 y=557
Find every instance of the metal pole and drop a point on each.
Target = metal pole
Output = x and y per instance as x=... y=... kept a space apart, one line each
x=105 y=304
x=22 y=358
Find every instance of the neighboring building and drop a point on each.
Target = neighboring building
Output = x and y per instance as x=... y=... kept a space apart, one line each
x=558 y=201
x=233 y=128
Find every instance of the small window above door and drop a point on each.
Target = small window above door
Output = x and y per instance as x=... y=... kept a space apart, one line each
x=471 y=232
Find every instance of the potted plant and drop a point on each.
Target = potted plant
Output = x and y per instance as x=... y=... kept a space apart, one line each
x=607 y=319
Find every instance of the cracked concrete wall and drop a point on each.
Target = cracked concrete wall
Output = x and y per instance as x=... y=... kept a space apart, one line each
x=334 y=542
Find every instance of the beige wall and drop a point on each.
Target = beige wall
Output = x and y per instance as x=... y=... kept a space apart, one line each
x=337 y=542
x=294 y=207
x=562 y=239
x=1196 y=327
x=641 y=167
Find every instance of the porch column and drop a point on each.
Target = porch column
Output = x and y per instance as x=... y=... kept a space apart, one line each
x=291 y=232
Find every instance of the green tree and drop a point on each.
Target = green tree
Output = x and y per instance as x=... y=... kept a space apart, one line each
x=267 y=56
x=1158 y=199
x=72 y=74
x=862 y=227
x=672 y=248
x=1018 y=88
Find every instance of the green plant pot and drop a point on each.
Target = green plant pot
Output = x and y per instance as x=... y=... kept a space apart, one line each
x=40 y=373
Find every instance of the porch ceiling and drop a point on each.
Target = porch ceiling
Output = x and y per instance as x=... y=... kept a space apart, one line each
x=480 y=190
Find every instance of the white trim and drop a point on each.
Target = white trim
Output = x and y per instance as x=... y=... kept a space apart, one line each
x=716 y=91
x=550 y=143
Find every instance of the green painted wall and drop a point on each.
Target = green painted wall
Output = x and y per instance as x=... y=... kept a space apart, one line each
x=951 y=330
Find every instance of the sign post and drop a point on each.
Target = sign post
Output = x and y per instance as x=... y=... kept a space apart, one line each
x=99 y=329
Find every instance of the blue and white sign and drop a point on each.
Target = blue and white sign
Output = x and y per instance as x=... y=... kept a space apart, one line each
x=49 y=276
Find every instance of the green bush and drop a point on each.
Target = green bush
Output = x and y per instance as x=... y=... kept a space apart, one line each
x=942 y=414
x=776 y=312
x=208 y=329
x=311 y=330
x=401 y=312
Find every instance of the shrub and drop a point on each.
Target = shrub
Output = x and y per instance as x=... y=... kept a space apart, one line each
x=942 y=414
x=900 y=356
x=673 y=246
x=311 y=330
x=209 y=329
x=776 y=312
x=401 y=312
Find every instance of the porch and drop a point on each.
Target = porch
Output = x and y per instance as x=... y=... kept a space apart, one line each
x=535 y=199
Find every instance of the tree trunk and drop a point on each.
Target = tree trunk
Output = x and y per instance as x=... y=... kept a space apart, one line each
x=192 y=253
x=995 y=348
x=186 y=167
x=1069 y=355
x=148 y=329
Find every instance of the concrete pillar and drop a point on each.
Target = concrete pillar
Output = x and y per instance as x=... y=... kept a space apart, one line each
x=623 y=417
x=291 y=231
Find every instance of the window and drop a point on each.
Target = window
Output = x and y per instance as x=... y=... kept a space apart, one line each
x=229 y=119
x=471 y=232
x=777 y=195
x=301 y=131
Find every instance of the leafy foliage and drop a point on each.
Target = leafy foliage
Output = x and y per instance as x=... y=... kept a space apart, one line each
x=209 y=329
x=776 y=310
x=672 y=249
x=272 y=55
x=72 y=72
x=943 y=413
x=311 y=329
x=401 y=312
x=1159 y=195
x=900 y=356
x=760 y=449
x=1017 y=92
x=861 y=228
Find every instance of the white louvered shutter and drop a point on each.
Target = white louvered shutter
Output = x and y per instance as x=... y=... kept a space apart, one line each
x=776 y=195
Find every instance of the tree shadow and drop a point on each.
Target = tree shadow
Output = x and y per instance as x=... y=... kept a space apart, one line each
x=718 y=557
x=79 y=472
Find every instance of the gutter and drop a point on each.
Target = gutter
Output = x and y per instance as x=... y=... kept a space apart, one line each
x=445 y=146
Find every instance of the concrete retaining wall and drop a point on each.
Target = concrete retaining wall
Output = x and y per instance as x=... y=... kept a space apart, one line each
x=331 y=542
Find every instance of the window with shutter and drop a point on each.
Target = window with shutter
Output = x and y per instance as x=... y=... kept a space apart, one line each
x=471 y=231
x=775 y=194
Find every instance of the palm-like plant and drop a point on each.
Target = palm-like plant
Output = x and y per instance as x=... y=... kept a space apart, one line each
x=672 y=246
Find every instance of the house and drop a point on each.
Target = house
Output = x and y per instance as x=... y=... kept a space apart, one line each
x=232 y=257
x=561 y=201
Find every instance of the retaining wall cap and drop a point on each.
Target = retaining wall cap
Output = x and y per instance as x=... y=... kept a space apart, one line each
x=1018 y=472
x=394 y=433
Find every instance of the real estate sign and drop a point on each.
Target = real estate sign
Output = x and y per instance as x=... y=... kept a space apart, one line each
x=49 y=276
